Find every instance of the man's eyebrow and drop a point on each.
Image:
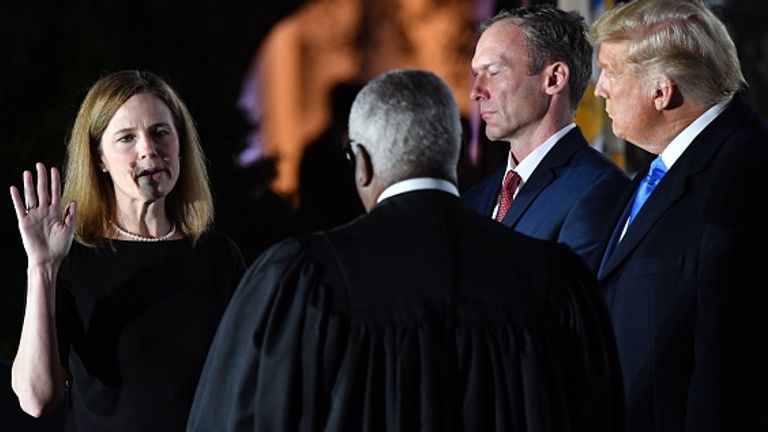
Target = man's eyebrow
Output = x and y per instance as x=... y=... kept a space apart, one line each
x=603 y=65
x=482 y=66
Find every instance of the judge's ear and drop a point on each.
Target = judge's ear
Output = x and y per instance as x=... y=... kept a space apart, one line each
x=367 y=187
x=363 y=166
x=666 y=95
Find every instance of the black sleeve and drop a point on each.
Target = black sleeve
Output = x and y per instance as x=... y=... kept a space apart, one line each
x=240 y=360
x=597 y=395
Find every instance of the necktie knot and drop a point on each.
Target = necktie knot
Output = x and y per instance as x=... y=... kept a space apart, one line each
x=658 y=169
x=511 y=181
x=649 y=182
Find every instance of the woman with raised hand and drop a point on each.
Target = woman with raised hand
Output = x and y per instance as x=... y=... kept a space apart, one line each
x=120 y=320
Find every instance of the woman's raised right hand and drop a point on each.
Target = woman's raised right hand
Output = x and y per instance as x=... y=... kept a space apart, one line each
x=46 y=230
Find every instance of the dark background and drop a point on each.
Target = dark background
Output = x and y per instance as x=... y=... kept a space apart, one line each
x=53 y=51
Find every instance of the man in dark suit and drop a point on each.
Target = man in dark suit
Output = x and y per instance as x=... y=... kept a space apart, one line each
x=531 y=67
x=684 y=270
x=421 y=314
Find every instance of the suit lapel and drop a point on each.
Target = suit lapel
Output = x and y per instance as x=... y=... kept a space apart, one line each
x=544 y=174
x=619 y=224
x=530 y=190
x=672 y=187
x=668 y=191
x=491 y=194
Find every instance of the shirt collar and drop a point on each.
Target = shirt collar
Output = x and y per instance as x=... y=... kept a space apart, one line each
x=681 y=142
x=418 y=183
x=526 y=166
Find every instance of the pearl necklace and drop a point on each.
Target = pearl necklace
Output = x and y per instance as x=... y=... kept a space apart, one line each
x=140 y=238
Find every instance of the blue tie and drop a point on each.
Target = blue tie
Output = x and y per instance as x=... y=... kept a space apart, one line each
x=657 y=171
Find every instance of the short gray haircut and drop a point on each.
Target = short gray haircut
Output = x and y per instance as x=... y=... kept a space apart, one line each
x=681 y=40
x=553 y=35
x=409 y=123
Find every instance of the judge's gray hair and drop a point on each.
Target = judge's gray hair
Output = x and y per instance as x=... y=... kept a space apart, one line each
x=409 y=123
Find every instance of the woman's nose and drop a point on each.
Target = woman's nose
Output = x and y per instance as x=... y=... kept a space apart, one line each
x=146 y=146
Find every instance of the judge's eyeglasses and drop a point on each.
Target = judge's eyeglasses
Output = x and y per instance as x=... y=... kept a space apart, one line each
x=349 y=153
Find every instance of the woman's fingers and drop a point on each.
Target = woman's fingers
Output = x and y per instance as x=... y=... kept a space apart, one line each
x=30 y=196
x=18 y=202
x=69 y=214
x=43 y=194
x=55 y=188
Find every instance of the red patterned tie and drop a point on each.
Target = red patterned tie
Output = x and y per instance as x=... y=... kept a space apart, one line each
x=511 y=182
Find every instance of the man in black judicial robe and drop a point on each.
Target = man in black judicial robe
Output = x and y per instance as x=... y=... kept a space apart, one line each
x=420 y=315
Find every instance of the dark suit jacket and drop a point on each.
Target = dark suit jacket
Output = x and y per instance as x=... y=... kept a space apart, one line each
x=687 y=285
x=421 y=315
x=567 y=199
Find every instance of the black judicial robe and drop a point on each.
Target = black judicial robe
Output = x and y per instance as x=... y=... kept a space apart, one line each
x=421 y=315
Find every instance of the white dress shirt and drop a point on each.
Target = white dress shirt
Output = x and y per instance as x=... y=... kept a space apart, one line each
x=418 y=183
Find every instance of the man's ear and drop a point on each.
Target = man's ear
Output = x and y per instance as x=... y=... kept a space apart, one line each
x=665 y=94
x=363 y=167
x=556 y=77
x=367 y=187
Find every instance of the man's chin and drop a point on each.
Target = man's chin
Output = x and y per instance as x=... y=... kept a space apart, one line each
x=492 y=136
x=619 y=133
